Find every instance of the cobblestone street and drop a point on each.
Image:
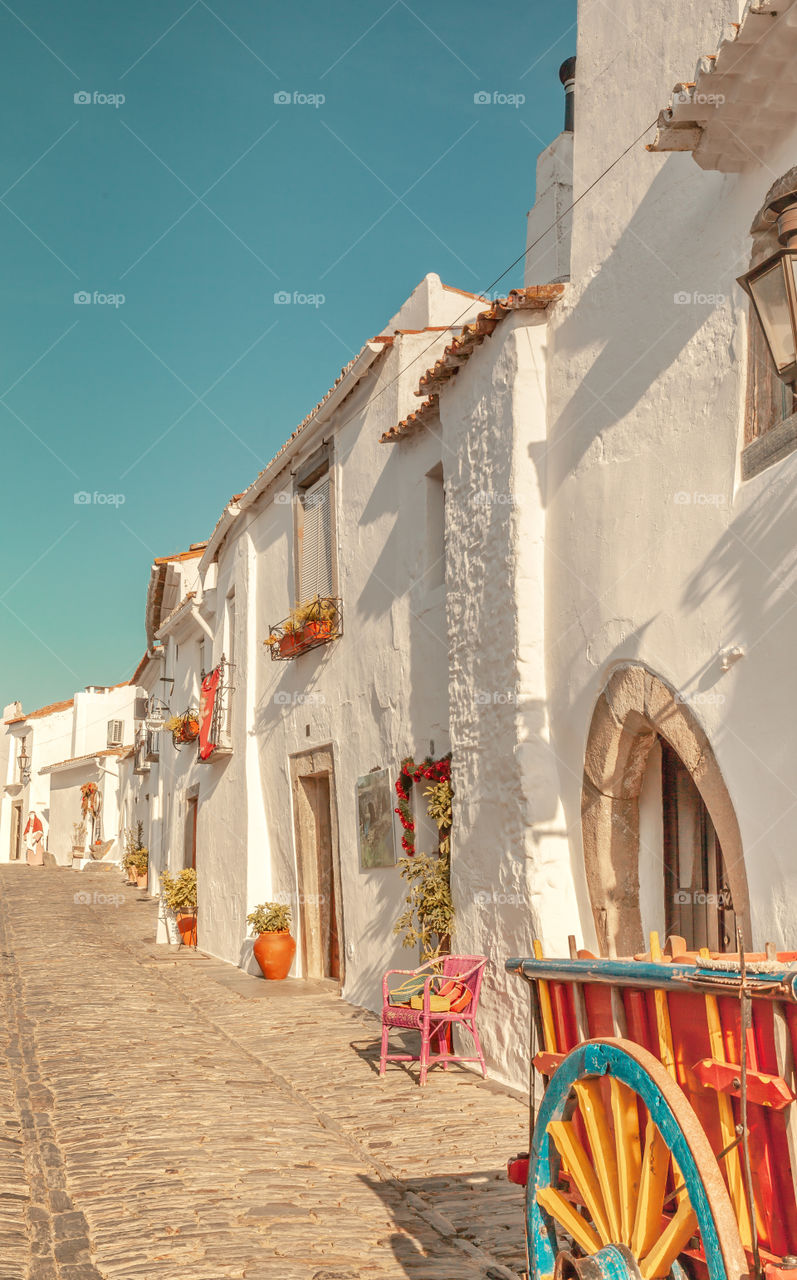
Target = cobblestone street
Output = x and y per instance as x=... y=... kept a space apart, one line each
x=163 y=1115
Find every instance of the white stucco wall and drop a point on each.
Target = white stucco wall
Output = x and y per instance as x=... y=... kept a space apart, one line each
x=656 y=552
x=374 y=696
x=511 y=874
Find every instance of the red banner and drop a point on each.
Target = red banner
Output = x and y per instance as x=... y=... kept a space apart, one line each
x=207 y=706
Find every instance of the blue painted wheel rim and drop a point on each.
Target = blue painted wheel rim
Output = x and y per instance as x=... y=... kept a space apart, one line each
x=598 y=1058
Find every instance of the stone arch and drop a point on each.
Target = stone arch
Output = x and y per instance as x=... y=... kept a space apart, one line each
x=633 y=708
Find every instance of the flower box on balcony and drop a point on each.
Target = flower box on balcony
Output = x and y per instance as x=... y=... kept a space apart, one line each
x=308 y=626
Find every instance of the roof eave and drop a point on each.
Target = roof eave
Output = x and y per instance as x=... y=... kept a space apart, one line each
x=319 y=417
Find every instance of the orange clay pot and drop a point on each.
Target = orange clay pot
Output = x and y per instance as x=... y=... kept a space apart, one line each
x=274 y=953
x=186 y=924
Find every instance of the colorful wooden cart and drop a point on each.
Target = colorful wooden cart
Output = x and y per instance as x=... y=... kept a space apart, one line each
x=665 y=1142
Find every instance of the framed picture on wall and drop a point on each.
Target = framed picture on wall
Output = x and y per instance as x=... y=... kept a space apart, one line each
x=375 y=829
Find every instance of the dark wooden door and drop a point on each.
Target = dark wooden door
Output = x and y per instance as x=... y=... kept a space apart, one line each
x=16 y=832
x=190 y=833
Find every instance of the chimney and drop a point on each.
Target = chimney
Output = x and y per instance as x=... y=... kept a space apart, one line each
x=549 y=224
x=567 y=74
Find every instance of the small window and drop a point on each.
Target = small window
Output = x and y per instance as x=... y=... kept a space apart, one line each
x=315 y=540
x=116 y=729
x=435 y=528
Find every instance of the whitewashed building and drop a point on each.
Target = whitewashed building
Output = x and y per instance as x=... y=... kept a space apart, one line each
x=272 y=812
x=49 y=754
x=618 y=455
x=570 y=561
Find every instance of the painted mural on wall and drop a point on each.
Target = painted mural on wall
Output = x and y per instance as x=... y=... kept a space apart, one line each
x=375 y=820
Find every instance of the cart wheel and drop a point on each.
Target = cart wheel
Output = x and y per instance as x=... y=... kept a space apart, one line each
x=631 y=1225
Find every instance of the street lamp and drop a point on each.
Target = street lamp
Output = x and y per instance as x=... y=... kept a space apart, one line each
x=23 y=759
x=772 y=287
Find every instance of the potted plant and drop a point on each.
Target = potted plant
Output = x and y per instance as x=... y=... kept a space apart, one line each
x=274 y=947
x=319 y=616
x=139 y=864
x=180 y=895
x=183 y=728
x=134 y=842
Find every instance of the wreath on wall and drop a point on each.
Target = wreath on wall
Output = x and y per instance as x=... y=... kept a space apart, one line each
x=89 y=799
x=433 y=771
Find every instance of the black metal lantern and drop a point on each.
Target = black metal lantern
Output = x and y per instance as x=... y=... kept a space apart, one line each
x=772 y=286
x=23 y=760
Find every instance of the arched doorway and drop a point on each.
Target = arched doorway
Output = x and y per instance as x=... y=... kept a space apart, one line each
x=638 y=722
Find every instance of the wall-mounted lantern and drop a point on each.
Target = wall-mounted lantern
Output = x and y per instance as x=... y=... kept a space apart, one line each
x=23 y=760
x=772 y=287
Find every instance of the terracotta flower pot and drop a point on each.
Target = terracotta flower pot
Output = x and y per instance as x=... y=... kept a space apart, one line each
x=186 y=923
x=316 y=631
x=290 y=643
x=141 y=879
x=274 y=953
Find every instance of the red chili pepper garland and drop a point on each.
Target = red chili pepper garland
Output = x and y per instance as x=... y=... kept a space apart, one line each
x=432 y=771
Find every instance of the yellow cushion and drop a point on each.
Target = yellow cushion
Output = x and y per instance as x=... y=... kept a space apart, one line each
x=437 y=1004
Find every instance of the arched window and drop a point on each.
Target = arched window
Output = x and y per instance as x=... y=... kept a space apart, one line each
x=662 y=846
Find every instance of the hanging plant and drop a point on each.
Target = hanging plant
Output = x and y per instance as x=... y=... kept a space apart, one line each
x=428 y=917
x=89 y=795
x=435 y=771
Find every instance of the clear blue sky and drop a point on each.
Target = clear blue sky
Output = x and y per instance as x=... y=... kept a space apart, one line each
x=197 y=199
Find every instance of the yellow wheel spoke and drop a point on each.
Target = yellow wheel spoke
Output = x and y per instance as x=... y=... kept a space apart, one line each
x=672 y=1240
x=568 y=1217
x=590 y=1104
x=652 y=1186
x=629 y=1155
x=581 y=1171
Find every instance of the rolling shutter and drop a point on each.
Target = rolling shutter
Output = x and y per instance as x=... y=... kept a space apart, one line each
x=315 y=574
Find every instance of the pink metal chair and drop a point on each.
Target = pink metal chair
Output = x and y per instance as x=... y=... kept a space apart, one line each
x=469 y=970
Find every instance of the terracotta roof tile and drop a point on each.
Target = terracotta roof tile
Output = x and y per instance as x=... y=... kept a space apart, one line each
x=193 y=553
x=535 y=298
x=43 y=711
x=121 y=752
x=188 y=596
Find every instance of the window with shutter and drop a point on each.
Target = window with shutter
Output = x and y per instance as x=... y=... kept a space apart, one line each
x=315 y=567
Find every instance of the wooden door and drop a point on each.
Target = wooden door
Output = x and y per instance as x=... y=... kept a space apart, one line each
x=317 y=906
x=16 y=832
x=189 y=851
x=697 y=896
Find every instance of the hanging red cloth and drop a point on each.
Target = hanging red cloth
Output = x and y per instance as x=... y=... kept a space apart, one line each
x=207 y=706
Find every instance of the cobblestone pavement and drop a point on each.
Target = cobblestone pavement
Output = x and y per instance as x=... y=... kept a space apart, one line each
x=163 y=1115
